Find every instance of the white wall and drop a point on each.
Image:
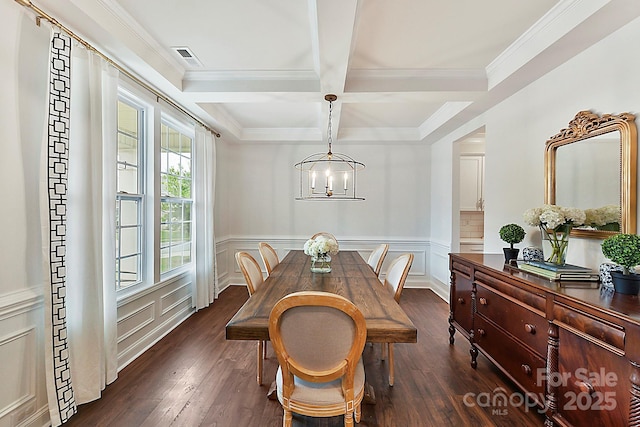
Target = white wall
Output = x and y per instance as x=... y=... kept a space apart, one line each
x=259 y=184
x=23 y=84
x=603 y=79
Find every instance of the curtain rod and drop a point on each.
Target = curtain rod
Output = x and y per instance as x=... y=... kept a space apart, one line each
x=43 y=15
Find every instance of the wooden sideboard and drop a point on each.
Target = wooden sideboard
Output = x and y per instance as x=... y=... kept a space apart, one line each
x=573 y=351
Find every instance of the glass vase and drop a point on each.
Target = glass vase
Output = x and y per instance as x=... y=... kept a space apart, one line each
x=321 y=264
x=558 y=243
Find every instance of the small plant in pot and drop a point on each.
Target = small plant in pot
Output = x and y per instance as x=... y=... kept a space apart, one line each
x=511 y=234
x=624 y=250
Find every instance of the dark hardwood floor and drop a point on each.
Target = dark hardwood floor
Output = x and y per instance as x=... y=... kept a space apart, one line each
x=194 y=377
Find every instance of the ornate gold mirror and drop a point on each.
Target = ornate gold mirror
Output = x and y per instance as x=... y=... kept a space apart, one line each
x=591 y=165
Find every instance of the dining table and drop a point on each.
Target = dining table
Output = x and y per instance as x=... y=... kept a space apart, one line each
x=350 y=277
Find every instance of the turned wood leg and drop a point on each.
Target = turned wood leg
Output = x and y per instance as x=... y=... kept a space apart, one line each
x=286 y=418
x=348 y=419
x=391 y=373
x=474 y=356
x=357 y=413
x=551 y=402
x=473 y=351
x=634 y=407
x=452 y=329
x=260 y=350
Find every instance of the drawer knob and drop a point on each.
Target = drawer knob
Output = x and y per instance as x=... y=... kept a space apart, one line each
x=585 y=387
x=483 y=301
x=530 y=328
x=482 y=332
x=461 y=300
x=526 y=369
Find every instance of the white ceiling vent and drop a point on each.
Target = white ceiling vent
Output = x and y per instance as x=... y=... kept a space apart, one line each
x=187 y=56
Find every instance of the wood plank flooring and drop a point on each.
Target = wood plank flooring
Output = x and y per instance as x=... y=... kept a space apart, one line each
x=194 y=377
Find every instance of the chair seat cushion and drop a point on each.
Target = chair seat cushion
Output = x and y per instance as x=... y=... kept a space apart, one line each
x=329 y=393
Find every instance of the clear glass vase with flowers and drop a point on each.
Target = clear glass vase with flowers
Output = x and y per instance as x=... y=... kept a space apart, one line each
x=555 y=223
x=320 y=250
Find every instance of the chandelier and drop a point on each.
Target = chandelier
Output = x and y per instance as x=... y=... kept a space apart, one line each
x=328 y=176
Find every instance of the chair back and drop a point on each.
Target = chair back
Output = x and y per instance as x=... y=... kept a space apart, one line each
x=325 y=234
x=377 y=258
x=310 y=350
x=397 y=274
x=269 y=256
x=250 y=270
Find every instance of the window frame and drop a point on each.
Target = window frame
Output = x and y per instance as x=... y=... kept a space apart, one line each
x=156 y=114
x=142 y=140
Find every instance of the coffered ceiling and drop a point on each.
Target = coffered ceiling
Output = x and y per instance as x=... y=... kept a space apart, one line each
x=403 y=70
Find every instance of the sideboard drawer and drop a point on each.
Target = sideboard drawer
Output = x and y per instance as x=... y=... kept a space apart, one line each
x=522 y=365
x=598 y=329
x=524 y=295
x=524 y=324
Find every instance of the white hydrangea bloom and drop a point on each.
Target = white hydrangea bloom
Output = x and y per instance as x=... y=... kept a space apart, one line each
x=553 y=216
x=321 y=245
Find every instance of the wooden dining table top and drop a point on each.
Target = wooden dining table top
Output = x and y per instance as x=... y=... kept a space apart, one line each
x=351 y=277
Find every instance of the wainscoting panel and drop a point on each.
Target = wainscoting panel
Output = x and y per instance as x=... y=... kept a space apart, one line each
x=145 y=318
x=440 y=275
x=23 y=399
x=419 y=276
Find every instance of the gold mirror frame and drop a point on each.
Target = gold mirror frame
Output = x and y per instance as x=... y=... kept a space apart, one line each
x=587 y=125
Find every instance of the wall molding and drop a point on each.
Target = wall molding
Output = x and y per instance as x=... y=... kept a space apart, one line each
x=419 y=276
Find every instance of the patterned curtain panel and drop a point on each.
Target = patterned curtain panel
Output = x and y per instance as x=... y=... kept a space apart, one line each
x=62 y=403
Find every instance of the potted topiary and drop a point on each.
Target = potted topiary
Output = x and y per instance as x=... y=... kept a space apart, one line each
x=624 y=250
x=511 y=234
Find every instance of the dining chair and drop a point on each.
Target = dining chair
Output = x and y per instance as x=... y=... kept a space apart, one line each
x=394 y=281
x=321 y=372
x=269 y=256
x=254 y=279
x=377 y=258
x=326 y=234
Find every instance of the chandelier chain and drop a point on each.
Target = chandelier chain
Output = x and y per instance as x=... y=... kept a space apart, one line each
x=329 y=131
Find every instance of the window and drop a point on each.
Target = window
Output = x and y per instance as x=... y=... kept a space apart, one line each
x=154 y=193
x=176 y=201
x=130 y=192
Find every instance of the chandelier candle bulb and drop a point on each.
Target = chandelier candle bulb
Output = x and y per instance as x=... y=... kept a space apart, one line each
x=313 y=181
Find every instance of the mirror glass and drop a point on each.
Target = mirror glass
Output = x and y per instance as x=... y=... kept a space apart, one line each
x=577 y=183
x=591 y=165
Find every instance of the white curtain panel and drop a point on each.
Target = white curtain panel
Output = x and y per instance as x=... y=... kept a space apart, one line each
x=91 y=294
x=205 y=277
x=60 y=395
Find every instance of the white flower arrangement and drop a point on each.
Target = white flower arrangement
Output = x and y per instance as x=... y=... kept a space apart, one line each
x=608 y=215
x=554 y=217
x=320 y=246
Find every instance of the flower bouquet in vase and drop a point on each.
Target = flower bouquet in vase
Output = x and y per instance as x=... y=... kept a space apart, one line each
x=555 y=223
x=320 y=250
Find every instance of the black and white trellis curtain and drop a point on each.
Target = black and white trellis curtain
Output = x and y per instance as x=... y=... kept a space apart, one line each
x=79 y=228
x=62 y=402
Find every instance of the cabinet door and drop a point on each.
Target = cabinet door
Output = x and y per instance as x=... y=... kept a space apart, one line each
x=593 y=383
x=461 y=303
x=471 y=183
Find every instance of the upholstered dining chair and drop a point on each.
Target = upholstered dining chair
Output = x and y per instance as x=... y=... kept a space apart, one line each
x=254 y=279
x=325 y=234
x=377 y=258
x=269 y=256
x=394 y=281
x=321 y=372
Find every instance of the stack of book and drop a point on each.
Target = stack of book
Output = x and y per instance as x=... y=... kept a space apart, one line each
x=552 y=271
